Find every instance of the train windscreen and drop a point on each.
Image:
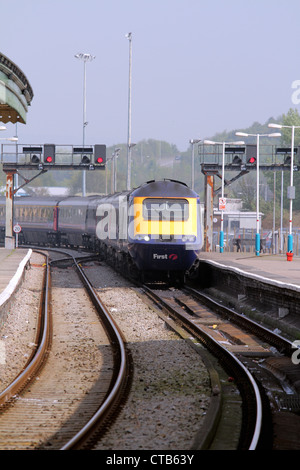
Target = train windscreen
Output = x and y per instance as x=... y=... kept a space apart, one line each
x=165 y=209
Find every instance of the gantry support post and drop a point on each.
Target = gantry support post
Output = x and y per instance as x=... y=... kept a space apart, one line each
x=209 y=210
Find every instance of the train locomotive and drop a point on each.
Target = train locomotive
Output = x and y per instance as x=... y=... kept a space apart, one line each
x=154 y=231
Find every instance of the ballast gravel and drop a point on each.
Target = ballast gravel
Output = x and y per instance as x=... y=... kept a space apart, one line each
x=171 y=387
x=170 y=391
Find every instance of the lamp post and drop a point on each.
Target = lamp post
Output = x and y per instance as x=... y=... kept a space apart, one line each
x=114 y=170
x=243 y=134
x=85 y=58
x=211 y=142
x=129 y=37
x=291 y=193
x=193 y=142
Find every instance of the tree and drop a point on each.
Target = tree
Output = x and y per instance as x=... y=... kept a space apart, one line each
x=245 y=188
x=292 y=118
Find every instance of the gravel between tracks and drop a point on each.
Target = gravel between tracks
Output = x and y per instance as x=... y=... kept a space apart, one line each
x=171 y=389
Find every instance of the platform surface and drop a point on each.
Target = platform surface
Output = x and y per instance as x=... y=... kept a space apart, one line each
x=12 y=263
x=267 y=267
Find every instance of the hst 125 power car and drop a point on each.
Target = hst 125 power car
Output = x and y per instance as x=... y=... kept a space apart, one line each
x=155 y=229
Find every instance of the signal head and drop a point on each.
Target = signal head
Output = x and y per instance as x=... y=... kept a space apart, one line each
x=49 y=154
x=100 y=155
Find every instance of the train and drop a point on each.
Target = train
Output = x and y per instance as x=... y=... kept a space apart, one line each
x=154 y=231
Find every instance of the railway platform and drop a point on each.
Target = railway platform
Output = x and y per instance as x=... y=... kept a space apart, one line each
x=12 y=267
x=273 y=269
x=268 y=283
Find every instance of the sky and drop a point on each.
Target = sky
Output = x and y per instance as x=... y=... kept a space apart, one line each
x=199 y=67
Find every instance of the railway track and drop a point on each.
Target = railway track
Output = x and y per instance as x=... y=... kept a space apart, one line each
x=120 y=383
x=254 y=394
x=42 y=342
x=48 y=407
x=258 y=362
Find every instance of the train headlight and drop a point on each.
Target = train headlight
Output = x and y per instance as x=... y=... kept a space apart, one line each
x=146 y=238
x=188 y=238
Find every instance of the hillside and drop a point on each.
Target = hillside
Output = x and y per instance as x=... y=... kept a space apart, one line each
x=154 y=159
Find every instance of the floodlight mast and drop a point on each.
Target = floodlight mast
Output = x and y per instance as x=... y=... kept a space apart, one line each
x=129 y=145
x=85 y=58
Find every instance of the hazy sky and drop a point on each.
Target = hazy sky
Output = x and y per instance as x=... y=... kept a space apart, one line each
x=198 y=66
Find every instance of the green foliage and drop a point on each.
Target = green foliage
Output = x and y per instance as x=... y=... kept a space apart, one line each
x=154 y=159
x=151 y=159
x=245 y=187
x=292 y=118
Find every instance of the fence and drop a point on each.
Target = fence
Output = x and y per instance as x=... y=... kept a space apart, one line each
x=245 y=242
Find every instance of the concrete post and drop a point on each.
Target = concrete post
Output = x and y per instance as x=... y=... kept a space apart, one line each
x=9 y=237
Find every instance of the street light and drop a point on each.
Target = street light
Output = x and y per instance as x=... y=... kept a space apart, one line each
x=115 y=155
x=291 y=192
x=86 y=58
x=212 y=142
x=244 y=134
x=193 y=142
x=129 y=37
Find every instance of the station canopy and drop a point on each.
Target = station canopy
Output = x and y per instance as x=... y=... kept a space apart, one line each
x=15 y=92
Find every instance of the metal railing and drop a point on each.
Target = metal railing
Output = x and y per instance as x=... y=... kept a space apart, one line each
x=246 y=244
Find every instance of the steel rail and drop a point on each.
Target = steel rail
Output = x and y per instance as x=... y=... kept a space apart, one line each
x=213 y=345
x=36 y=360
x=122 y=374
x=284 y=345
x=121 y=377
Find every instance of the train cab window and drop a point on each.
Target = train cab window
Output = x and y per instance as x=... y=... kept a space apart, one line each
x=166 y=209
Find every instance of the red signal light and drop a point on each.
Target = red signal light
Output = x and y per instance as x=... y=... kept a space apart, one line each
x=49 y=154
x=100 y=156
x=252 y=160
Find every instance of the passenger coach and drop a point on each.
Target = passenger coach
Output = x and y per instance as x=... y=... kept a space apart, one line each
x=156 y=227
x=154 y=230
